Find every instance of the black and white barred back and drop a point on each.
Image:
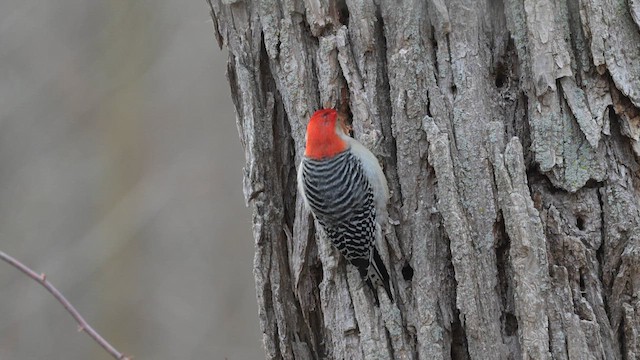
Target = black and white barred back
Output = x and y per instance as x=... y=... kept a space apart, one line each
x=346 y=214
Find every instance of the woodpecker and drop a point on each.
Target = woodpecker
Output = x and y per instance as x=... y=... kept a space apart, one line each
x=343 y=185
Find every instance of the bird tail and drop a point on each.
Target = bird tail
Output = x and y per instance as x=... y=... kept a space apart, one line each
x=378 y=274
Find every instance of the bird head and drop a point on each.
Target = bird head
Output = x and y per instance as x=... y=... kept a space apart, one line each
x=326 y=134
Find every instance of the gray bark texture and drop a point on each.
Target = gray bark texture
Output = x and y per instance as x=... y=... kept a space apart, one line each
x=509 y=132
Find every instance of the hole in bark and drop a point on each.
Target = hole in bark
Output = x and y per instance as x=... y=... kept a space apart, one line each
x=407 y=272
x=434 y=41
x=510 y=324
x=318 y=272
x=593 y=184
x=343 y=12
x=454 y=90
x=621 y=338
x=459 y=346
x=501 y=75
x=580 y=222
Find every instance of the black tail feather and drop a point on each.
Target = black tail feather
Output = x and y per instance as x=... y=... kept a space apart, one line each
x=380 y=272
x=374 y=273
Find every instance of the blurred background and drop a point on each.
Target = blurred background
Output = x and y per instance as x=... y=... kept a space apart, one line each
x=121 y=178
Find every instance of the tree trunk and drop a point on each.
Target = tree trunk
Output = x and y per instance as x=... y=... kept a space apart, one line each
x=509 y=134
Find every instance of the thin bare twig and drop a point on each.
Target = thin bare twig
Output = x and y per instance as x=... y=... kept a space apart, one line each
x=82 y=324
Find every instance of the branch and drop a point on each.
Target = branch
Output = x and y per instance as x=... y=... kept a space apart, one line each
x=82 y=324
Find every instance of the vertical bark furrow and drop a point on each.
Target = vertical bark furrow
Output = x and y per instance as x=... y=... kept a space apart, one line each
x=483 y=333
x=411 y=86
x=528 y=255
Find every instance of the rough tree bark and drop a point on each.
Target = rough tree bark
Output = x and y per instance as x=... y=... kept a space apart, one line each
x=509 y=132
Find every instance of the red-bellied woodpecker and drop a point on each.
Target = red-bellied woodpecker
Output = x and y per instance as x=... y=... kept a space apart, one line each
x=343 y=185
